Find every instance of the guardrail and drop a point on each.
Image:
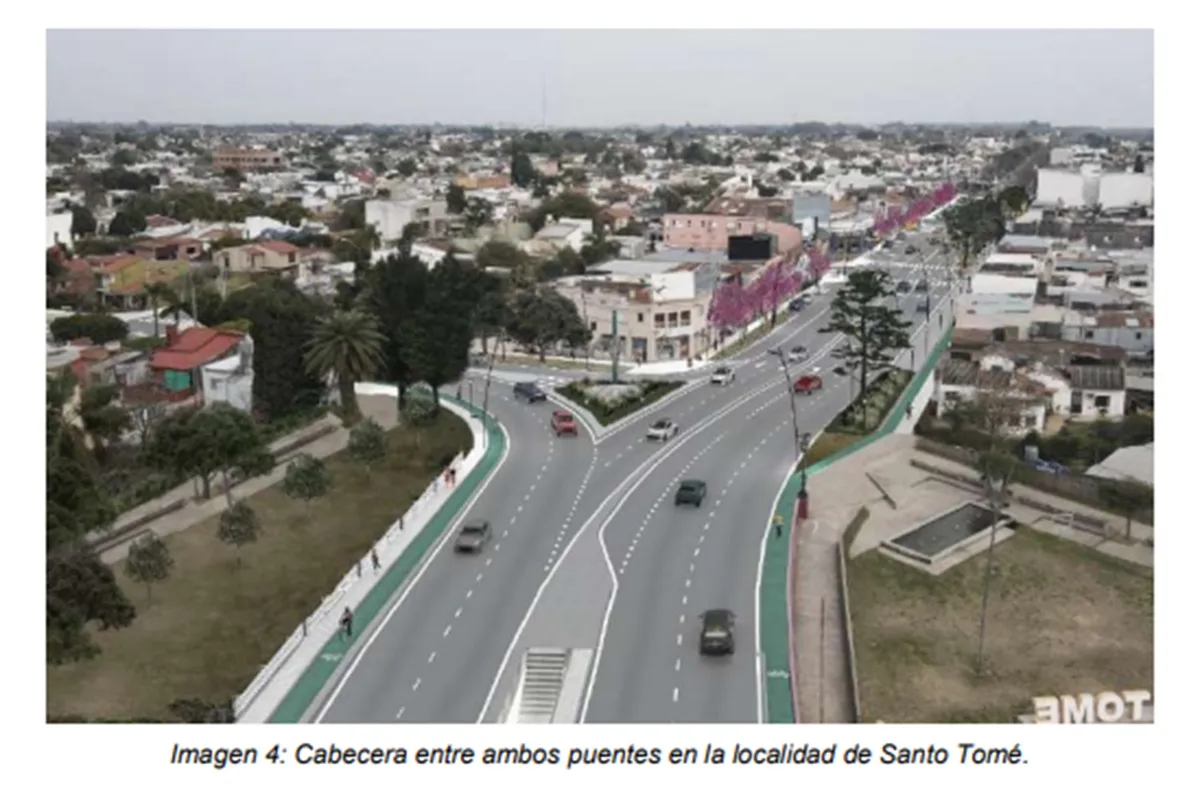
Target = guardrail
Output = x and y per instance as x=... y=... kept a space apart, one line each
x=402 y=530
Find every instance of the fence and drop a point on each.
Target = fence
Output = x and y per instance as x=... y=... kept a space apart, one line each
x=1072 y=486
x=323 y=620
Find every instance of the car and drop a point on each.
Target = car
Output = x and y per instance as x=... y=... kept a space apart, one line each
x=807 y=383
x=910 y=249
x=840 y=370
x=716 y=632
x=904 y=286
x=723 y=375
x=473 y=536
x=563 y=423
x=691 y=492
x=797 y=353
x=797 y=304
x=529 y=391
x=923 y=286
x=924 y=306
x=662 y=430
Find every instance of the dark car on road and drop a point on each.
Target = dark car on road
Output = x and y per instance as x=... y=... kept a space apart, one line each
x=562 y=422
x=691 y=492
x=904 y=286
x=473 y=536
x=797 y=304
x=924 y=306
x=910 y=249
x=923 y=286
x=529 y=391
x=716 y=632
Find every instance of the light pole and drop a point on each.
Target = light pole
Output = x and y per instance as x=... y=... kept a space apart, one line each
x=487 y=382
x=791 y=400
x=587 y=328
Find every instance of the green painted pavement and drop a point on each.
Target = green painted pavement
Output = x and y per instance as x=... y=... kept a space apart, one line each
x=774 y=592
x=306 y=689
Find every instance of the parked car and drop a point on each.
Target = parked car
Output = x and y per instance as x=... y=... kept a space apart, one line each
x=473 y=536
x=528 y=391
x=807 y=383
x=691 y=492
x=662 y=430
x=563 y=423
x=716 y=632
x=797 y=353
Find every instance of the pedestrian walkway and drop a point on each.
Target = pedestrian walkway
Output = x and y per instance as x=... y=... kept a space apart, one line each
x=195 y=511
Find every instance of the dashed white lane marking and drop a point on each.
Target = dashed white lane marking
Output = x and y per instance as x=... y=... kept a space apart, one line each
x=478 y=577
x=675 y=695
x=432 y=655
x=678 y=664
x=416 y=684
x=446 y=632
x=400 y=713
x=458 y=612
x=469 y=593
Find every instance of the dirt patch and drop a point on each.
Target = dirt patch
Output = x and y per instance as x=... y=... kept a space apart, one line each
x=205 y=631
x=1062 y=619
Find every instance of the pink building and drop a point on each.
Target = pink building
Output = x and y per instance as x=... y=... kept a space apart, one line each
x=711 y=232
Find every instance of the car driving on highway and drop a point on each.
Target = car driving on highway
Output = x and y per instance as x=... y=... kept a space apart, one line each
x=563 y=423
x=923 y=286
x=797 y=304
x=723 y=375
x=716 y=632
x=797 y=353
x=691 y=493
x=473 y=536
x=807 y=383
x=528 y=391
x=662 y=430
x=904 y=286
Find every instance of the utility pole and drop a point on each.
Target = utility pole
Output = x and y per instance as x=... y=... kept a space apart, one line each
x=587 y=328
x=616 y=348
x=487 y=382
x=791 y=399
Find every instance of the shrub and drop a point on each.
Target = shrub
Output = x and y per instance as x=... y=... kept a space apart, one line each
x=607 y=412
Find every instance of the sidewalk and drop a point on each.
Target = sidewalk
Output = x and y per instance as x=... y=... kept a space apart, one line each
x=195 y=510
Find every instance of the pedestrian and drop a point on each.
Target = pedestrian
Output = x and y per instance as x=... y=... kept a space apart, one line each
x=908 y=411
x=458 y=392
x=374 y=560
x=778 y=526
x=347 y=621
x=453 y=476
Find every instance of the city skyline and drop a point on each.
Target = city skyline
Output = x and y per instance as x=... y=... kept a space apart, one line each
x=1087 y=78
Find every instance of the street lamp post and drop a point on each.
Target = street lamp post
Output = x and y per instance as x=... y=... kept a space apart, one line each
x=791 y=399
x=487 y=382
x=587 y=328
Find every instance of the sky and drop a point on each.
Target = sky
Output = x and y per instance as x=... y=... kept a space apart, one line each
x=602 y=78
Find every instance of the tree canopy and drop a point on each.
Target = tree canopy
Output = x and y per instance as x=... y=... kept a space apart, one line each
x=97 y=327
x=543 y=317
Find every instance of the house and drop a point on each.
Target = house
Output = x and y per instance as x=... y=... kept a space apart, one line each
x=246 y=159
x=231 y=380
x=1132 y=463
x=711 y=232
x=268 y=256
x=616 y=217
x=567 y=233
x=123 y=279
x=389 y=217
x=958 y=382
x=177 y=369
x=1131 y=331
x=173 y=248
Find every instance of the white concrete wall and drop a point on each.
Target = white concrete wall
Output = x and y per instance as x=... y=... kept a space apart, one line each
x=58 y=230
x=1126 y=190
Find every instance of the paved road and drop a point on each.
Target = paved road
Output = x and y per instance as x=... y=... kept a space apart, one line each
x=674 y=563
x=452 y=645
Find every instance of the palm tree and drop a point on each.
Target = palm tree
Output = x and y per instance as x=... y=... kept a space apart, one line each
x=348 y=345
x=159 y=293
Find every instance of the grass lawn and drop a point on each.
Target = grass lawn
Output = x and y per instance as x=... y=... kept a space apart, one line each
x=827 y=445
x=1063 y=619
x=595 y=364
x=209 y=627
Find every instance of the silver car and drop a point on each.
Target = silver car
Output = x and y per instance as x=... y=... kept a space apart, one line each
x=662 y=430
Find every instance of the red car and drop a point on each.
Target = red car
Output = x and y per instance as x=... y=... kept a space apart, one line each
x=807 y=383
x=563 y=423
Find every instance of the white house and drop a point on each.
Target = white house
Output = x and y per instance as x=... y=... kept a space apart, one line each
x=231 y=380
x=958 y=382
x=563 y=233
x=1000 y=294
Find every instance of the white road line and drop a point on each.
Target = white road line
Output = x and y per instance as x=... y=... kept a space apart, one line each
x=479 y=577
x=446 y=632
x=469 y=593
x=432 y=655
x=678 y=663
x=400 y=713
x=675 y=695
x=416 y=684
x=416 y=579
x=457 y=612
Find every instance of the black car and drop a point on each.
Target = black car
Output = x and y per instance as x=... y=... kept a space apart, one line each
x=904 y=287
x=529 y=391
x=473 y=536
x=716 y=632
x=840 y=370
x=923 y=286
x=910 y=249
x=797 y=304
x=691 y=492
x=924 y=306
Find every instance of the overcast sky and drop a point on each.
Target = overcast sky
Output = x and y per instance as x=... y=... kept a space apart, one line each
x=602 y=78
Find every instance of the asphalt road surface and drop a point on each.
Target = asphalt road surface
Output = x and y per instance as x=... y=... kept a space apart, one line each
x=448 y=650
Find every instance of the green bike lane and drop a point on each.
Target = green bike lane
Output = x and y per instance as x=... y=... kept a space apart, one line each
x=326 y=663
x=774 y=594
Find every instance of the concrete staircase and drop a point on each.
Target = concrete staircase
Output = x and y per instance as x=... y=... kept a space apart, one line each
x=542 y=672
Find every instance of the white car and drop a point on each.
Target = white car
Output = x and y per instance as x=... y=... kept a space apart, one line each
x=723 y=375
x=662 y=430
x=797 y=354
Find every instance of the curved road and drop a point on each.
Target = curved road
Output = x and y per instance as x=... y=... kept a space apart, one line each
x=570 y=517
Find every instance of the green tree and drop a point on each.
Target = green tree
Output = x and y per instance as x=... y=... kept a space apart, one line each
x=307 y=478
x=80 y=592
x=367 y=445
x=786 y=175
x=1139 y=164
x=521 y=169
x=196 y=443
x=97 y=327
x=104 y=420
x=598 y=248
x=568 y=204
x=394 y=291
x=543 y=317
x=347 y=345
x=418 y=410
x=478 y=213
x=126 y=223
x=493 y=314
x=971 y=226
x=148 y=561
x=407 y=167
x=873 y=331
x=281 y=318
x=456 y=199
x=568 y=262
x=1128 y=498
x=124 y=157
x=238 y=526
x=1014 y=200
x=159 y=294
x=83 y=223
x=670 y=199
x=352 y=215
x=439 y=349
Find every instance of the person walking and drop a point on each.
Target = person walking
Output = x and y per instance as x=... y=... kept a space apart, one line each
x=374 y=560
x=453 y=476
x=347 y=621
x=778 y=526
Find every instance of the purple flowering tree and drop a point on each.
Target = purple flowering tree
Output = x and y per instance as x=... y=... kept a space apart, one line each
x=776 y=284
x=730 y=307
